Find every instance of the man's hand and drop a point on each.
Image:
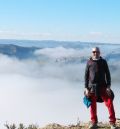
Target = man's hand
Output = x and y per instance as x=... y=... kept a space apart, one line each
x=87 y=93
x=108 y=90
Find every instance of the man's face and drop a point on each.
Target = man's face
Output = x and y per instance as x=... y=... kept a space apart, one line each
x=95 y=53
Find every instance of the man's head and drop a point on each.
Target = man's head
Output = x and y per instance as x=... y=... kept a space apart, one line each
x=95 y=53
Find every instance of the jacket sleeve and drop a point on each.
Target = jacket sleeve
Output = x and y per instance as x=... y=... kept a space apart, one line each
x=108 y=76
x=86 y=75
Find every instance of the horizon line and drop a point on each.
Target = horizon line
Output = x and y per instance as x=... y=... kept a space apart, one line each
x=37 y=40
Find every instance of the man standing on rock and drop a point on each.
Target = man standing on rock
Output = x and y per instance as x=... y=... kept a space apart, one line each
x=97 y=87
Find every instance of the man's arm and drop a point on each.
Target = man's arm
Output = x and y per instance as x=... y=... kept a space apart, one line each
x=108 y=76
x=86 y=76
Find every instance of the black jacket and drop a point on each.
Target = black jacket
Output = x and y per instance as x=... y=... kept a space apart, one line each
x=97 y=72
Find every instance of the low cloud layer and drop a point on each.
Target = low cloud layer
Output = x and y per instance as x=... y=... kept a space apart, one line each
x=37 y=91
x=28 y=88
x=60 y=52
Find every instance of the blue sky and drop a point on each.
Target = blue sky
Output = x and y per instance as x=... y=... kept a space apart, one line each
x=73 y=20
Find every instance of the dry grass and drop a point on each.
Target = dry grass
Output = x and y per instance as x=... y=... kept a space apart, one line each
x=58 y=126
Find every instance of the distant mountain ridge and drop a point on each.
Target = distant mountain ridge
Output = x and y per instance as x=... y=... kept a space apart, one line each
x=17 y=51
x=51 y=43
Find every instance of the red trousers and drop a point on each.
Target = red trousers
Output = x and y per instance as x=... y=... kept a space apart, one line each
x=109 y=104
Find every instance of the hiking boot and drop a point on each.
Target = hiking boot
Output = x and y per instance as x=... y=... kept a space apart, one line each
x=113 y=126
x=93 y=126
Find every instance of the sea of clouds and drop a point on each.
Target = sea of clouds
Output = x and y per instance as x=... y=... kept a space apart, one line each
x=49 y=89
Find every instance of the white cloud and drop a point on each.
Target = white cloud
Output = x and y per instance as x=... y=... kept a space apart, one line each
x=96 y=34
x=11 y=34
x=58 y=52
x=61 y=52
x=101 y=37
x=93 y=36
x=28 y=88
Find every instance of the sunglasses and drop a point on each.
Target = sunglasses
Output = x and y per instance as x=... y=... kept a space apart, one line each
x=95 y=51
